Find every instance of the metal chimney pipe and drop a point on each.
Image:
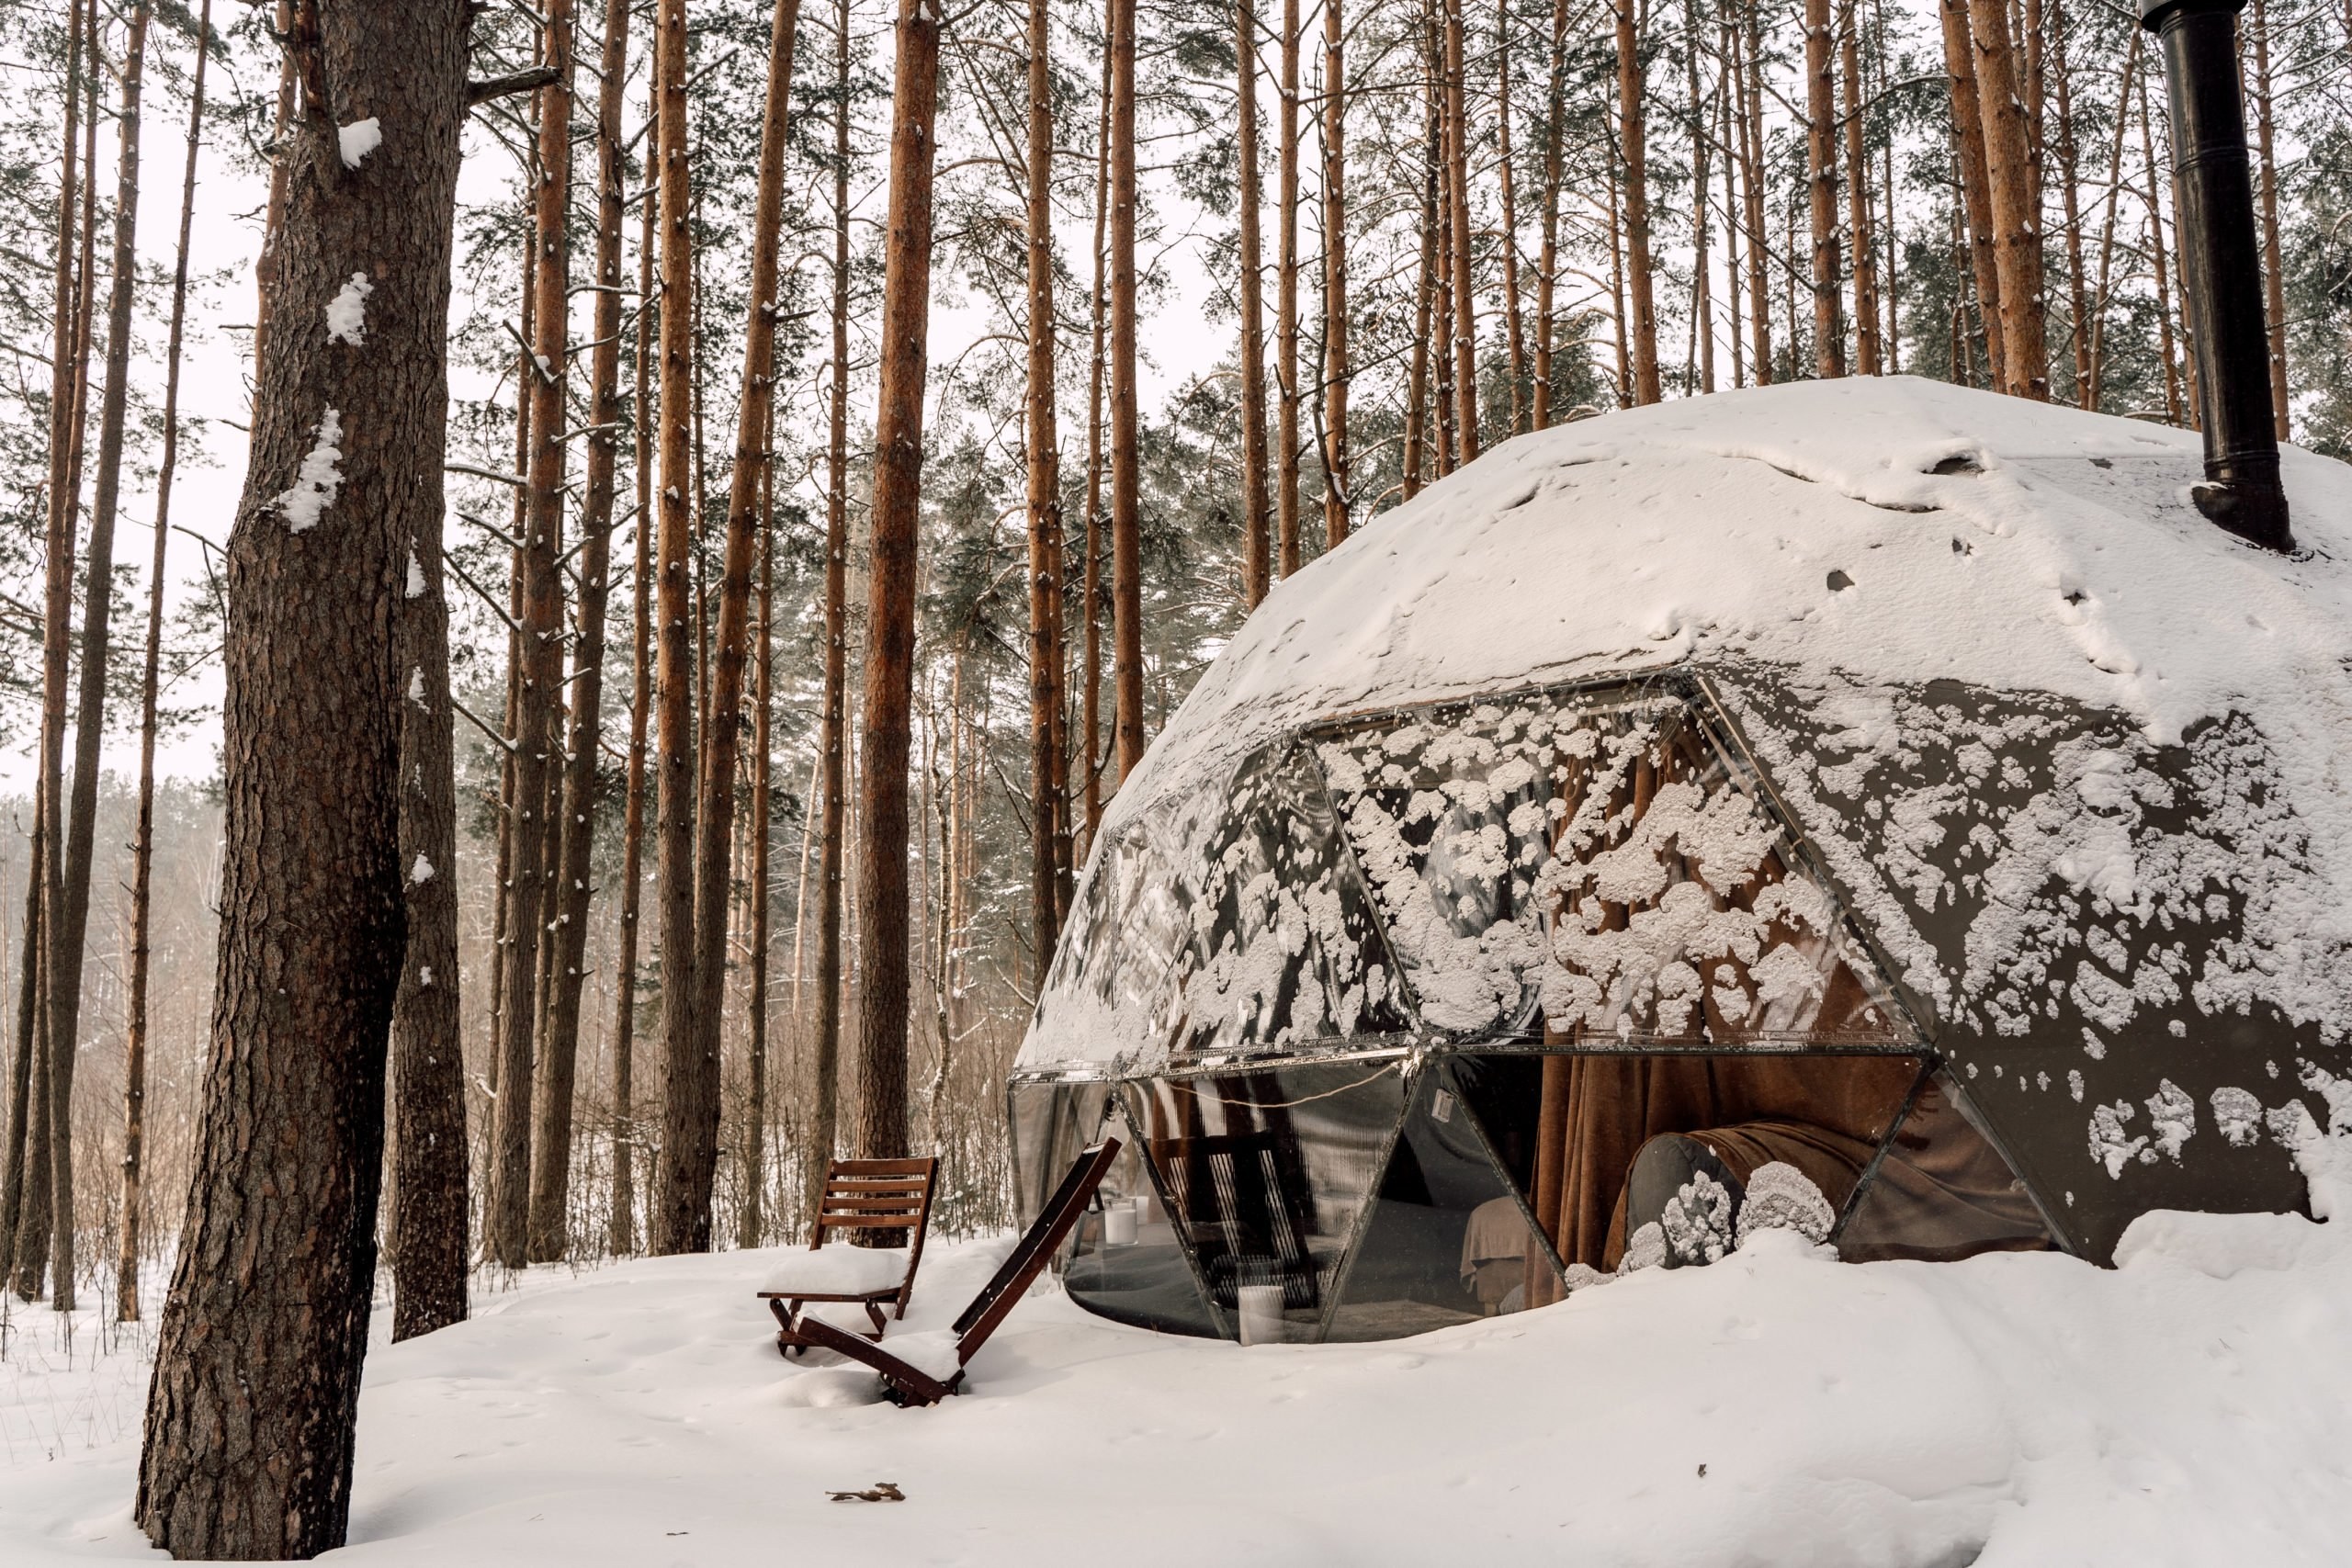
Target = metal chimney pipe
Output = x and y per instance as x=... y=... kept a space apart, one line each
x=2220 y=267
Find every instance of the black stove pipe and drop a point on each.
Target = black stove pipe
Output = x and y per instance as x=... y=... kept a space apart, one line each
x=2220 y=267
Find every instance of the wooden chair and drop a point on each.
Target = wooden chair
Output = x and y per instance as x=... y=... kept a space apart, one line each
x=923 y=1369
x=859 y=1195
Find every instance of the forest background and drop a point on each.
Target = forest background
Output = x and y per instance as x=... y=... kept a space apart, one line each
x=1368 y=243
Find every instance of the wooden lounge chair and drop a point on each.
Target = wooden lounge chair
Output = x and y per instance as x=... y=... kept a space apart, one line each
x=859 y=1195
x=923 y=1369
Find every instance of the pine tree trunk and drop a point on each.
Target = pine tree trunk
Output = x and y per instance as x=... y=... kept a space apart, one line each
x=576 y=821
x=1090 y=719
x=1339 y=500
x=1043 y=440
x=2016 y=227
x=680 y=1219
x=1821 y=191
x=722 y=731
x=2068 y=152
x=1286 y=439
x=1976 y=187
x=15 y=1173
x=886 y=727
x=273 y=227
x=1751 y=71
x=1701 y=283
x=66 y=933
x=531 y=874
x=1547 y=270
x=1457 y=174
x=621 y=1232
x=824 y=1117
x=1869 y=356
x=249 y=1415
x=1256 y=552
x=750 y=1220
x=2274 y=278
x=134 y=1047
x=1514 y=327
x=2150 y=172
x=1126 y=454
x=2123 y=99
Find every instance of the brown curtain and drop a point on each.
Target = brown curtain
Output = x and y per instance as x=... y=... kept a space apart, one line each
x=1826 y=1115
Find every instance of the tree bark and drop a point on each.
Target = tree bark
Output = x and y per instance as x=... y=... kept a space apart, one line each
x=540 y=657
x=1514 y=328
x=1126 y=454
x=2068 y=152
x=886 y=727
x=722 y=731
x=680 y=1221
x=66 y=933
x=2150 y=171
x=251 y=1412
x=2274 y=278
x=1869 y=359
x=576 y=833
x=749 y=1219
x=1748 y=42
x=1042 y=441
x=1976 y=187
x=1286 y=330
x=1090 y=719
x=1631 y=90
x=1555 y=175
x=1457 y=174
x=1701 y=283
x=1821 y=191
x=2016 y=227
x=134 y=1046
x=1338 y=501
x=825 y=1115
x=1257 y=556
x=15 y=1184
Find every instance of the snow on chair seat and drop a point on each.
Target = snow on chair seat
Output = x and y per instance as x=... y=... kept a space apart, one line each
x=859 y=1195
x=840 y=1271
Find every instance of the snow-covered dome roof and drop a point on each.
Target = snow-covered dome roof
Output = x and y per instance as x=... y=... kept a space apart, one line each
x=2058 y=767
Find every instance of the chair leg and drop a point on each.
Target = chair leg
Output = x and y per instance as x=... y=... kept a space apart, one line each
x=881 y=1324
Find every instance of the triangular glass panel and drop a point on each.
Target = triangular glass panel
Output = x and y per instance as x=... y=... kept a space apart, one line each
x=1266 y=1175
x=1942 y=1190
x=1447 y=1240
x=1124 y=1260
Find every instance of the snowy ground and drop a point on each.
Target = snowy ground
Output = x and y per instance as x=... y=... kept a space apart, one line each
x=2193 y=1406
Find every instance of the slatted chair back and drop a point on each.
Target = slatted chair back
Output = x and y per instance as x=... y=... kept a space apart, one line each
x=878 y=1194
x=1254 y=1219
x=1034 y=1250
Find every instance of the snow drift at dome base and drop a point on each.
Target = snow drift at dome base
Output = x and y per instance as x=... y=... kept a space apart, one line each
x=2193 y=1406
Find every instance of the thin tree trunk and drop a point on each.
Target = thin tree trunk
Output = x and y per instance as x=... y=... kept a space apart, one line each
x=722 y=731
x=1547 y=271
x=1286 y=438
x=1466 y=327
x=273 y=229
x=1099 y=300
x=1975 y=180
x=824 y=1118
x=1126 y=454
x=2068 y=151
x=621 y=1238
x=540 y=691
x=1869 y=357
x=2017 y=226
x=576 y=820
x=1514 y=327
x=2095 y=396
x=889 y=655
x=17 y=1173
x=1339 y=501
x=67 y=933
x=680 y=1220
x=1043 y=440
x=1750 y=71
x=1701 y=284
x=1257 y=556
x=2274 y=278
x=750 y=1220
x=249 y=1415
x=1821 y=191
x=2149 y=170
x=134 y=1046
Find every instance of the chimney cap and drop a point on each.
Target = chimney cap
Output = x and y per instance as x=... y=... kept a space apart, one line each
x=2154 y=13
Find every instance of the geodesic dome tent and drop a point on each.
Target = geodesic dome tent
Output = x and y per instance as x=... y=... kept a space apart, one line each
x=1899 y=790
